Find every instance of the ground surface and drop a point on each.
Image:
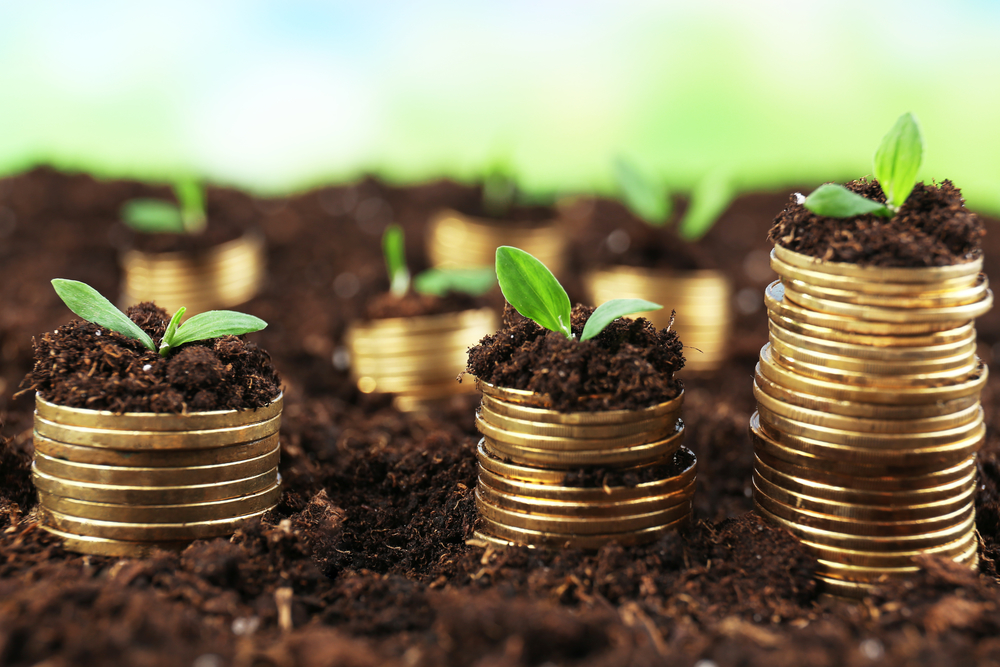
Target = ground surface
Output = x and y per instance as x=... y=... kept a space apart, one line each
x=366 y=562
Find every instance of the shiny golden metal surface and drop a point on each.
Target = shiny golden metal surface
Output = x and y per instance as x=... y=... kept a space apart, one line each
x=524 y=434
x=867 y=371
x=152 y=458
x=98 y=546
x=497 y=419
x=877 y=287
x=529 y=405
x=958 y=549
x=877 y=342
x=115 y=438
x=142 y=532
x=955 y=313
x=521 y=497
x=499 y=533
x=222 y=277
x=912 y=300
x=881 y=274
x=559 y=458
x=578 y=524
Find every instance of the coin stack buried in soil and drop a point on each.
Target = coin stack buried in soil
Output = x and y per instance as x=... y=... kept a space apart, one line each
x=529 y=458
x=868 y=416
x=124 y=484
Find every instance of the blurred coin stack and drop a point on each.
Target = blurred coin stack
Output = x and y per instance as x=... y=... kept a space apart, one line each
x=868 y=417
x=124 y=484
x=534 y=484
x=416 y=358
x=702 y=301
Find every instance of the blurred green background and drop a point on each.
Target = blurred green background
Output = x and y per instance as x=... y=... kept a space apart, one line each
x=280 y=96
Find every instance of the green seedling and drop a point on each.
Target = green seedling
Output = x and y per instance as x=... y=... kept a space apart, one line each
x=153 y=216
x=499 y=190
x=897 y=161
x=87 y=303
x=646 y=198
x=533 y=291
x=433 y=282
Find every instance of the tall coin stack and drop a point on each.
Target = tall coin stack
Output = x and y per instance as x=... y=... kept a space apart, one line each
x=868 y=416
x=526 y=496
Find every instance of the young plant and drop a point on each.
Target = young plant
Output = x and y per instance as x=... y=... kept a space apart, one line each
x=499 y=190
x=897 y=161
x=433 y=282
x=87 y=303
x=533 y=291
x=154 y=216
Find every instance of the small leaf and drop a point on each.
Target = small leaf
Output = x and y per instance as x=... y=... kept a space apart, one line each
x=394 y=250
x=438 y=282
x=610 y=311
x=647 y=199
x=168 y=335
x=212 y=324
x=499 y=190
x=152 y=216
x=898 y=159
x=532 y=290
x=88 y=303
x=836 y=201
x=709 y=200
x=191 y=197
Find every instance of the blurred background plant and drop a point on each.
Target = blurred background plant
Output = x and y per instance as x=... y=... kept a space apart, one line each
x=714 y=97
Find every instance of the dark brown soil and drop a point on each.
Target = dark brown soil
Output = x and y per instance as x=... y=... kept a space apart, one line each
x=370 y=536
x=518 y=213
x=219 y=229
x=627 y=366
x=83 y=365
x=932 y=228
x=388 y=305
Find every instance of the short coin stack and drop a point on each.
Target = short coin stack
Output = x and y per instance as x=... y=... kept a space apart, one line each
x=124 y=484
x=868 y=417
x=525 y=457
x=416 y=358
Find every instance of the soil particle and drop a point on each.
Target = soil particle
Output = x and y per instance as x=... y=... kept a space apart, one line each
x=17 y=493
x=387 y=305
x=627 y=366
x=83 y=365
x=932 y=228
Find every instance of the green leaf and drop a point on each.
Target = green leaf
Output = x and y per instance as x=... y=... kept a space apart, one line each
x=642 y=195
x=610 y=311
x=152 y=216
x=532 y=290
x=191 y=197
x=172 y=328
x=211 y=324
x=394 y=250
x=88 y=303
x=438 y=282
x=499 y=190
x=836 y=201
x=898 y=159
x=709 y=200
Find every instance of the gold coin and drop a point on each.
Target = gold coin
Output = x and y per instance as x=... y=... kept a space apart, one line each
x=142 y=532
x=900 y=315
x=850 y=590
x=875 y=274
x=881 y=440
x=852 y=572
x=895 y=340
x=494 y=531
x=412 y=366
x=882 y=542
x=144 y=495
x=865 y=490
x=659 y=425
x=872 y=353
x=524 y=504
x=117 y=438
x=896 y=396
x=154 y=477
x=152 y=458
x=435 y=342
x=859 y=285
x=775 y=302
x=524 y=404
x=209 y=511
x=97 y=546
x=405 y=327
x=867 y=559
x=512 y=471
x=867 y=371
x=929 y=299
x=862 y=512
x=523 y=437
x=624 y=456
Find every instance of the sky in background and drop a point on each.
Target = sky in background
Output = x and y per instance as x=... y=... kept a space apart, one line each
x=279 y=96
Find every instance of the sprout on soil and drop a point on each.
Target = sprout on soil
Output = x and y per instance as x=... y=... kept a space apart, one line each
x=155 y=216
x=897 y=161
x=90 y=305
x=533 y=291
x=433 y=282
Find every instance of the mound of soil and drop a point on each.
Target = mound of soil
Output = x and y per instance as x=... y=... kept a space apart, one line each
x=412 y=304
x=932 y=228
x=627 y=366
x=83 y=365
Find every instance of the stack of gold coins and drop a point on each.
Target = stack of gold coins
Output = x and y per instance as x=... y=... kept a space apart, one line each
x=701 y=299
x=529 y=457
x=458 y=241
x=222 y=277
x=125 y=484
x=868 y=417
x=416 y=358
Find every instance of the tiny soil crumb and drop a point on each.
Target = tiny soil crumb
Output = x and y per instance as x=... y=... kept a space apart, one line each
x=612 y=477
x=388 y=305
x=932 y=228
x=83 y=365
x=629 y=365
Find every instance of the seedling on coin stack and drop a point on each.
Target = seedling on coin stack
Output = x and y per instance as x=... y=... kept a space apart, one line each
x=580 y=419
x=660 y=262
x=177 y=260
x=414 y=341
x=144 y=444
x=868 y=417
